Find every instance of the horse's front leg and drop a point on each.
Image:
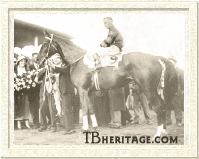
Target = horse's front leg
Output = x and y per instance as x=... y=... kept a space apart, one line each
x=84 y=110
x=87 y=108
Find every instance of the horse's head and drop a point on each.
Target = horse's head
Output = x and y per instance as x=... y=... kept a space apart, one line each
x=49 y=48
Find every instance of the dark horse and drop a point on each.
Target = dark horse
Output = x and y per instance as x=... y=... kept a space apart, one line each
x=145 y=69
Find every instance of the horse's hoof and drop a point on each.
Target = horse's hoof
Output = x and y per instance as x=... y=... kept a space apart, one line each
x=179 y=124
x=43 y=128
x=134 y=122
x=54 y=129
x=161 y=133
x=95 y=129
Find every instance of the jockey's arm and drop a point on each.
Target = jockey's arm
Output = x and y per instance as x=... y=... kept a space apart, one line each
x=110 y=39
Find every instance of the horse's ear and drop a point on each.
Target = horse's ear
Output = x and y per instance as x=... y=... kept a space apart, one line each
x=46 y=34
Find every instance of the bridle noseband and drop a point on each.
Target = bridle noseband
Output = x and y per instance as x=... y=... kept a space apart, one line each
x=51 y=44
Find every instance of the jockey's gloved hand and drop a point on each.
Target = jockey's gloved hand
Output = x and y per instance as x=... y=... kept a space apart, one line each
x=51 y=64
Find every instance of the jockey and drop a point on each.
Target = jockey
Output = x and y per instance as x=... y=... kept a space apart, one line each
x=109 y=47
x=113 y=44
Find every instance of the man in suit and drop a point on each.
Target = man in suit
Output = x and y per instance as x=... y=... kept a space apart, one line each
x=47 y=106
x=67 y=91
x=33 y=94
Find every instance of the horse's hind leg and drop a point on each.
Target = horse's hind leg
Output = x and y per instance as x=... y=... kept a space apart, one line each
x=161 y=118
x=145 y=106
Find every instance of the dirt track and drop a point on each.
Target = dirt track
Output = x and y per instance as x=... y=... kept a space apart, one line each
x=31 y=136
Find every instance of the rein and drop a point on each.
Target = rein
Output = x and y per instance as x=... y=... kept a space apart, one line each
x=75 y=61
x=49 y=49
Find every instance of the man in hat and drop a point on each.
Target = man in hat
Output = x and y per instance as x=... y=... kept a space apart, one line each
x=33 y=95
x=66 y=89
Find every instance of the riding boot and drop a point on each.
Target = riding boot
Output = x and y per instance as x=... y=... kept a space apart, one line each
x=94 y=121
x=85 y=122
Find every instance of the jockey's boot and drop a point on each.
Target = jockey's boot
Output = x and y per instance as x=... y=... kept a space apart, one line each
x=97 y=65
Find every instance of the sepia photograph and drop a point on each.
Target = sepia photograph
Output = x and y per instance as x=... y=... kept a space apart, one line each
x=82 y=78
x=114 y=73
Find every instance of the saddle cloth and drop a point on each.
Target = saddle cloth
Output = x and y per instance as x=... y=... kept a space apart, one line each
x=104 y=61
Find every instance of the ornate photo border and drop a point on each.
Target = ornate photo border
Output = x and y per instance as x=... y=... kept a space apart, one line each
x=189 y=149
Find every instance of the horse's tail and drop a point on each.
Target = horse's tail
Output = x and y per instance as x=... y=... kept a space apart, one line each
x=171 y=83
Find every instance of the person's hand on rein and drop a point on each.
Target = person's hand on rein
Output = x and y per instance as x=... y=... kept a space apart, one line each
x=50 y=63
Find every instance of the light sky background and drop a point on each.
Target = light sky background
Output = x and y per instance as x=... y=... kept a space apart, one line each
x=154 y=32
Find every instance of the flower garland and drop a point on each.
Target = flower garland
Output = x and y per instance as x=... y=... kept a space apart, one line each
x=26 y=81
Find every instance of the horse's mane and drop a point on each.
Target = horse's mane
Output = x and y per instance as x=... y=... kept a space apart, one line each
x=70 y=51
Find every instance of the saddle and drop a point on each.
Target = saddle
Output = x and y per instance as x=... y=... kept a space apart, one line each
x=95 y=61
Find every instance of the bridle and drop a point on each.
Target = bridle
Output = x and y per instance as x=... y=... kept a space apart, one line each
x=45 y=57
x=49 y=45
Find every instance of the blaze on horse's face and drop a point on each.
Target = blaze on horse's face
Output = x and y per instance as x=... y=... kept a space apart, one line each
x=47 y=49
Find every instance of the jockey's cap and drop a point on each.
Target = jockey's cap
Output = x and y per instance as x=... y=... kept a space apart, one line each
x=109 y=19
